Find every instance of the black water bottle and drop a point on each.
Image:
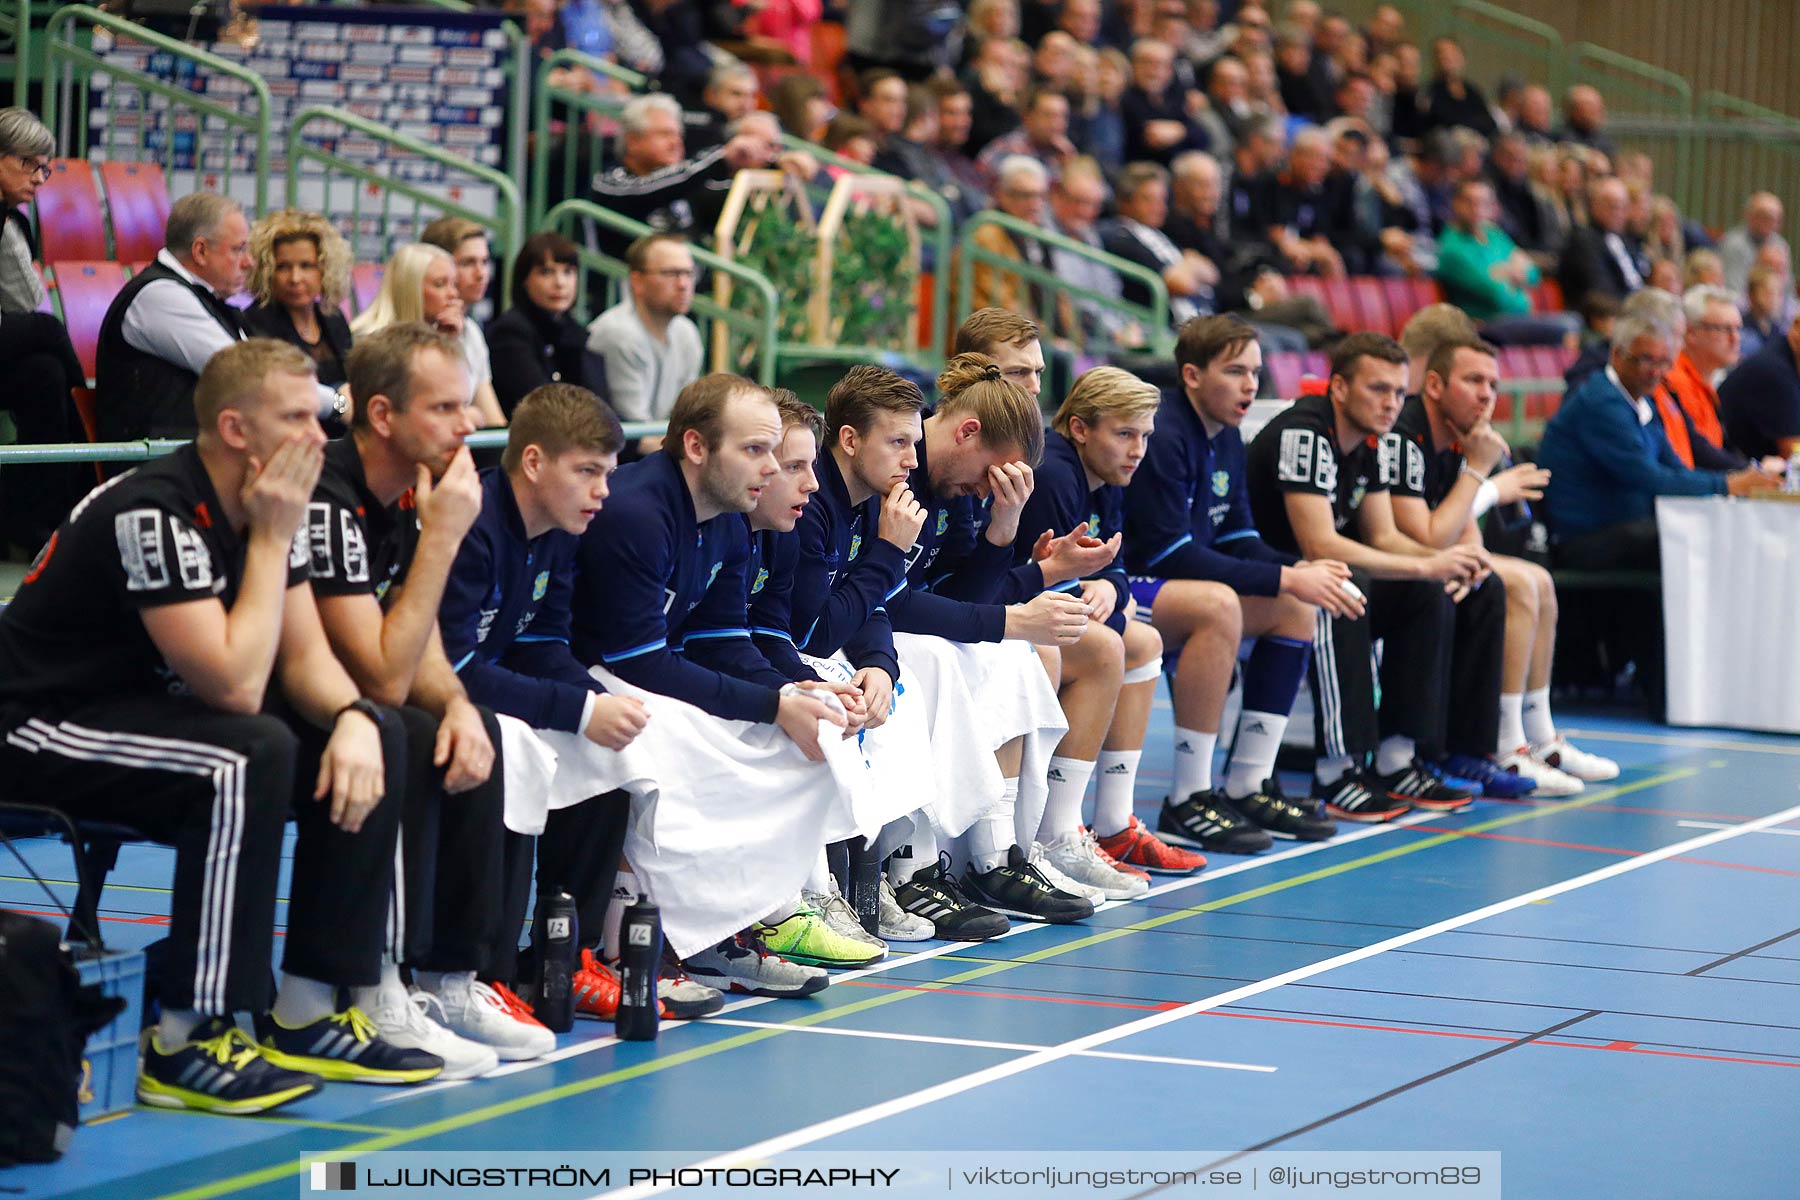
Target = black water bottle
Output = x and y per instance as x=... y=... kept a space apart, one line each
x=865 y=885
x=559 y=946
x=1517 y=515
x=640 y=961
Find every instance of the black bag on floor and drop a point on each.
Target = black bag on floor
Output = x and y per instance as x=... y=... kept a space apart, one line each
x=46 y=1015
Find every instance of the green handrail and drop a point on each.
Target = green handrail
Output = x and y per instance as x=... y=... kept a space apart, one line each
x=581 y=102
x=79 y=452
x=1152 y=317
x=1490 y=25
x=506 y=223
x=16 y=19
x=82 y=61
x=571 y=217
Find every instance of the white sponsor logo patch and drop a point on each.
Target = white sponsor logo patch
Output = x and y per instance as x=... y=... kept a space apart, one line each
x=192 y=558
x=1387 y=459
x=1415 y=467
x=1296 y=456
x=318 y=539
x=356 y=552
x=139 y=533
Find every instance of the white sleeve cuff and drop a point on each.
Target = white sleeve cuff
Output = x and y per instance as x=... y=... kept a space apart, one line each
x=1486 y=496
x=587 y=711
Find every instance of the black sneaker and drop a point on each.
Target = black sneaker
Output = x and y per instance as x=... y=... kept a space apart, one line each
x=932 y=893
x=1017 y=888
x=345 y=1048
x=1422 y=787
x=218 y=1070
x=1281 y=817
x=1207 y=820
x=1358 y=796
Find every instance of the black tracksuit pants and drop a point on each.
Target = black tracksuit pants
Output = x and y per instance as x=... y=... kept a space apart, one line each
x=1415 y=622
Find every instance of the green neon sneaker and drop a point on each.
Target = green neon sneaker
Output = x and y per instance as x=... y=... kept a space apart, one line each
x=807 y=937
x=218 y=1070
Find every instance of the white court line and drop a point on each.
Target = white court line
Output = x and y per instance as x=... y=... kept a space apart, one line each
x=1694 y=743
x=906 y=960
x=888 y=1108
x=936 y=1040
x=1722 y=825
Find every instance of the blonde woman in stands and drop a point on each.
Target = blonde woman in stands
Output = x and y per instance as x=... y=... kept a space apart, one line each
x=300 y=274
x=420 y=285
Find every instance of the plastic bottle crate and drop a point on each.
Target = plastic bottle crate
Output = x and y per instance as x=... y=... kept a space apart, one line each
x=109 y=1083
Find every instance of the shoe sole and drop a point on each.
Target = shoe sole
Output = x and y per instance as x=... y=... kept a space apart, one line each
x=830 y=964
x=894 y=935
x=336 y=1070
x=1440 y=806
x=157 y=1094
x=1071 y=917
x=1285 y=836
x=1250 y=846
x=972 y=935
x=1155 y=869
x=737 y=988
x=691 y=1012
x=1365 y=818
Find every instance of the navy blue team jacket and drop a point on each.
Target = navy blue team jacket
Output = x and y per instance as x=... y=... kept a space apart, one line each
x=1187 y=513
x=770 y=570
x=660 y=597
x=505 y=616
x=1060 y=501
x=843 y=575
x=954 y=577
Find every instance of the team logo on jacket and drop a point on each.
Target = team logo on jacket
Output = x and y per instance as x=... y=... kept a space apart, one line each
x=855 y=545
x=762 y=577
x=713 y=574
x=1221 y=483
x=943 y=521
x=541 y=585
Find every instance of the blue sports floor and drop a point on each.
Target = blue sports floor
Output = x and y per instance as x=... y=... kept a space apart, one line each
x=1605 y=990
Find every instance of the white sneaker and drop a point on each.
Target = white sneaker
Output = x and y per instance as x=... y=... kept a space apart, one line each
x=898 y=925
x=1551 y=783
x=475 y=1011
x=841 y=917
x=1579 y=763
x=402 y=1017
x=1040 y=858
x=1080 y=859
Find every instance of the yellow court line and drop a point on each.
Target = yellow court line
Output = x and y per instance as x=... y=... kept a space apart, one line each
x=518 y=1104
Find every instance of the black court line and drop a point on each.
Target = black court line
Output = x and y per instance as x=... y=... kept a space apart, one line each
x=1372 y=1101
x=1701 y=970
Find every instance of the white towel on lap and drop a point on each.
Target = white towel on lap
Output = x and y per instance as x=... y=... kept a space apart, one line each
x=896 y=754
x=546 y=769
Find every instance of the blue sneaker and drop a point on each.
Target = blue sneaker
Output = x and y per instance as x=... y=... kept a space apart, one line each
x=218 y=1070
x=345 y=1047
x=1491 y=778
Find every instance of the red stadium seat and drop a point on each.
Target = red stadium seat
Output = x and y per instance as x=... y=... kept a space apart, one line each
x=1340 y=302
x=70 y=226
x=365 y=281
x=1547 y=296
x=137 y=200
x=87 y=290
x=1402 y=301
x=1371 y=304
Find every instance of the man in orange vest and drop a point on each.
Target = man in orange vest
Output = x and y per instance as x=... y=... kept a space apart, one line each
x=1687 y=403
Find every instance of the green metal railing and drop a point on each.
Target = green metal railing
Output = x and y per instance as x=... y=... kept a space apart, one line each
x=1152 y=318
x=505 y=224
x=577 y=112
x=751 y=338
x=70 y=111
x=15 y=32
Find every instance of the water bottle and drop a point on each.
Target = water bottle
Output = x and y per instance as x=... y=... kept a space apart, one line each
x=865 y=884
x=559 y=947
x=1517 y=515
x=1792 y=484
x=640 y=961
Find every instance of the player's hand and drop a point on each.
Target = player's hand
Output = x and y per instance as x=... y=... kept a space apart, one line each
x=877 y=688
x=1100 y=598
x=799 y=715
x=1321 y=584
x=1526 y=481
x=1074 y=555
x=351 y=771
x=902 y=517
x=275 y=493
x=1050 y=619
x=449 y=507
x=616 y=721
x=1453 y=566
x=1010 y=487
x=464 y=751
x=1483 y=447
x=847 y=694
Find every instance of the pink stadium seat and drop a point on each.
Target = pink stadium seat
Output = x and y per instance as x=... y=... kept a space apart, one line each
x=1371 y=304
x=1284 y=369
x=87 y=290
x=365 y=281
x=1317 y=364
x=1402 y=301
x=137 y=199
x=70 y=226
x=1340 y=302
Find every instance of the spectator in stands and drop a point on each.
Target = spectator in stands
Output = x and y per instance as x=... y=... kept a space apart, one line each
x=1601 y=256
x=1763 y=216
x=1599 y=311
x=1410 y=120
x=848 y=137
x=657 y=183
x=300 y=276
x=680 y=28
x=1044 y=136
x=419 y=284
x=996 y=80
x=1080 y=19
x=1763 y=307
x=1533 y=121
x=1687 y=403
x=1304 y=92
x=466 y=242
x=1487 y=276
x=1702 y=268
x=731 y=92
x=1584 y=120
x=788 y=23
x=1228 y=108
x=1523 y=213
x=1055 y=62
x=1760 y=401
x=800 y=104
x=1665 y=273
x=1313 y=216
x=537 y=341
x=1355 y=99
x=1385 y=29
x=1022 y=189
x=35 y=350
x=1096 y=120
x=1159 y=115
x=1452 y=99
x=1608 y=459
x=966 y=195
x=1137 y=235
x=649 y=345
x=1076 y=201
x=882 y=103
x=1253 y=165
x=171 y=318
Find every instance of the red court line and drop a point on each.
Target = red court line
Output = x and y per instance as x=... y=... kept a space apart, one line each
x=1530 y=841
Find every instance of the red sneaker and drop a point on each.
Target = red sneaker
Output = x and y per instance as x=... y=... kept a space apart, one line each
x=1124 y=868
x=596 y=988
x=516 y=1008
x=1136 y=846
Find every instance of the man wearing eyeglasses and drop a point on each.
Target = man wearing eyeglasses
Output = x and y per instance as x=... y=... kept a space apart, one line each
x=650 y=346
x=1688 y=402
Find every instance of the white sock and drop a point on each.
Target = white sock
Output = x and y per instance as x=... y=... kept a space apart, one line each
x=624 y=895
x=1114 y=790
x=1193 y=762
x=301 y=1001
x=1540 y=730
x=176 y=1026
x=818 y=880
x=782 y=912
x=991 y=837
x=1396 y=754
x=1259 y=737
x=1512 y=723
x=919 y=852
x=1068 y=780
x=369 y=998
x=1329 y=770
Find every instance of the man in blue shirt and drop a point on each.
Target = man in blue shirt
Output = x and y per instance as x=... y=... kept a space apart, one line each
x=1203 y=576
